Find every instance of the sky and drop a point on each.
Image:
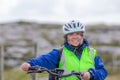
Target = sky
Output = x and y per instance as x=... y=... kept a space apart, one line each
x=86 y=11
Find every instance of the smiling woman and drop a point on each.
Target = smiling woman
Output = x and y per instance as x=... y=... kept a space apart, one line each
x=76 y=55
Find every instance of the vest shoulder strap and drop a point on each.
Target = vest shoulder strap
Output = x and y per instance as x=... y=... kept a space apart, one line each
x=92 y=53
x=60 y=50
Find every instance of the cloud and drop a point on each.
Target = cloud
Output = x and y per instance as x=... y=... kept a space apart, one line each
x=6 y=7
x=33 y=8
x=60 y=10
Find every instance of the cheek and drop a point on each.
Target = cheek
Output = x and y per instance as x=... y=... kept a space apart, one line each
x=80 y=38
x=69 y=39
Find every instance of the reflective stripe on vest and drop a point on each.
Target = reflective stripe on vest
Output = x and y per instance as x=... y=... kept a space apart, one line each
x=70 y=62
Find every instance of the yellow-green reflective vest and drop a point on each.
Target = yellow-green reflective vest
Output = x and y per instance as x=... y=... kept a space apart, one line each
x=70 y=62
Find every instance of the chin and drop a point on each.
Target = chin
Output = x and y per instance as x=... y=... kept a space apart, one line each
x=75 y=45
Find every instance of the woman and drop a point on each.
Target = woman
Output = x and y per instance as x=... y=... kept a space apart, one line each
x=76 y=55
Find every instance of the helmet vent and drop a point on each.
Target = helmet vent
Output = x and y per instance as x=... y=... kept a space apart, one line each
x=78 y=24
x=82 y=27
x=69 y=25
x=74 y=25
x=66 y=29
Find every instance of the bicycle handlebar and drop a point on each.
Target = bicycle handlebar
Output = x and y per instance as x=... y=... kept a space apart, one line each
x=56 y=72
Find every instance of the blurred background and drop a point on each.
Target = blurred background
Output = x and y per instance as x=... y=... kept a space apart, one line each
x=29 y=28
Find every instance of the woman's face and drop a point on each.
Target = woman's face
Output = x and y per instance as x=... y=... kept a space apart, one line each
x=74 y=38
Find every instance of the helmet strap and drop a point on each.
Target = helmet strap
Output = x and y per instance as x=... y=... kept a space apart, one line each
x=81 y=42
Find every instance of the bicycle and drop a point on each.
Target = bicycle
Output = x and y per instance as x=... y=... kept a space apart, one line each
x=56 y=73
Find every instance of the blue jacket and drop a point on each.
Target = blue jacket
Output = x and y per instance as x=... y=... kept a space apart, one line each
x=51 y=60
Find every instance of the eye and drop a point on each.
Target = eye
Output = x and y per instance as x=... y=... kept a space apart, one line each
x=70 y=34
x=78 y=33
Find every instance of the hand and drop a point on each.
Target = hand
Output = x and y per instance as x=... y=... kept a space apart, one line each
x=86 y=76
x=25 y=66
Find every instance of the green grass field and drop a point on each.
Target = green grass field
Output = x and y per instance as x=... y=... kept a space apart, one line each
x=20 y=75
x=113 y=77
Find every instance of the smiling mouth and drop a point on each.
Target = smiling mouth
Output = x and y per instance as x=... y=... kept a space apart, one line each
x=75 y=40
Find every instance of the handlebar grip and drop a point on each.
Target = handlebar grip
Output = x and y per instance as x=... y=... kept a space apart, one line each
x=59 y=70
x=34 y=68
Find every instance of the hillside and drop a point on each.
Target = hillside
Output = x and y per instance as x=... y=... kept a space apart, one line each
x=48 y=36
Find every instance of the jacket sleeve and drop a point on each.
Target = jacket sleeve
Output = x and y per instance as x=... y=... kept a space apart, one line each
x=49 y=60
x=99 y=73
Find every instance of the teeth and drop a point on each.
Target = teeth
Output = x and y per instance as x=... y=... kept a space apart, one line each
x=75 y=40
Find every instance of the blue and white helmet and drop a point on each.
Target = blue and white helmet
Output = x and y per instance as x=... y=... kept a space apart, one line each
x=73 y=26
